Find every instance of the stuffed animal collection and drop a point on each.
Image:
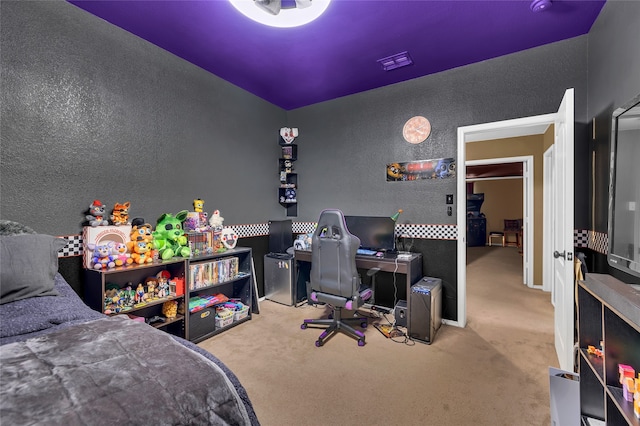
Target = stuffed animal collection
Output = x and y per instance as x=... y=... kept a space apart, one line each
x=146 y=244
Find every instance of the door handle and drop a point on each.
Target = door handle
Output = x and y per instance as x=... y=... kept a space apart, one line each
x=564 y=254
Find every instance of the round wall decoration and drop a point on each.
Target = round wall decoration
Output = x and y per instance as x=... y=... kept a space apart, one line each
x=416 y=129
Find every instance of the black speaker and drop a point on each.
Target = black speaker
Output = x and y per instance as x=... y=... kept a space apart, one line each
x=400 y=313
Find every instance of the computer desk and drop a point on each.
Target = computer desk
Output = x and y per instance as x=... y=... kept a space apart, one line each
x=411 y=268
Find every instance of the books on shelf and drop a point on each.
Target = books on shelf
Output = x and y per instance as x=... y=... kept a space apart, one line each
x=204 y=274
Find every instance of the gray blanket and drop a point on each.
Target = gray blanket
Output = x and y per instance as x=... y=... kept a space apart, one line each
x=113 y=371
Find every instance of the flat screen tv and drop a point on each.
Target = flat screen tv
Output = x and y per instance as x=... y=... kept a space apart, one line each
x=624 y=189
x=375 y=233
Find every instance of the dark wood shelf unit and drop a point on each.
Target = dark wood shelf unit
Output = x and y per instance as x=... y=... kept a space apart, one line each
x=608 y=312
x=201 y=324
x=96 y=282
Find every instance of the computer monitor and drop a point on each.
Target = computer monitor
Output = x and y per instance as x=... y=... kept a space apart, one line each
x=375 y=233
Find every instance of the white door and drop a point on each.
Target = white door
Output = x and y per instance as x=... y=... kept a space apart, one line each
x=562 y=236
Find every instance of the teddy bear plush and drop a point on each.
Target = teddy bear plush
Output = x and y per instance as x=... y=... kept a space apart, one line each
x=169 y=238
x=141 y=252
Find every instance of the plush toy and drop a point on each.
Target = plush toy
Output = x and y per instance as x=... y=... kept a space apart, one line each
x=96 y=214
x=120 y=254
x=170 y=309
x=141 y=252
x=216 y=220
x=120 y=215
x=169 y=238
x=198 y=205
x=141 y=232
x=101 y=258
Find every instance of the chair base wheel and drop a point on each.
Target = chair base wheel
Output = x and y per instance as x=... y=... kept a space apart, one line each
x=360 y=342
x=318 y=343
x=303 y=326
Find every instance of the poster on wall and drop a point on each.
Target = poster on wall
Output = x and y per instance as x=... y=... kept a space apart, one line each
x=438 y=168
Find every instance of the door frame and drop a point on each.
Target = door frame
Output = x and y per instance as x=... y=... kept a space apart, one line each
x=528 y=255
x=547 y=214
x=526 y=126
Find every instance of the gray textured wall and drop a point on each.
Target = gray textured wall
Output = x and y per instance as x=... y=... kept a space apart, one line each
x=346 y=143
x=91 y=111
x=614 y=79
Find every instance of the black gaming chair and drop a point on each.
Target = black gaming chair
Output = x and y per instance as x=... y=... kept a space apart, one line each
x=334 y=277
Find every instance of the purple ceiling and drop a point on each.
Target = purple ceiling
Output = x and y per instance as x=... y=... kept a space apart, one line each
x=336 y=55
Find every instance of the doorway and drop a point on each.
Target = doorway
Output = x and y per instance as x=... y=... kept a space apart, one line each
x=562 y=188
x=527 y=126
x=527 y=211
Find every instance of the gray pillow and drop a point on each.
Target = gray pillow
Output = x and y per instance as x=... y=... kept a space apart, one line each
x=28 y=264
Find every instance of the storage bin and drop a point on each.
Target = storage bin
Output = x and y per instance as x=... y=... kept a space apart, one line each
x=202 y=322
x=224 y=318
x=240 y=314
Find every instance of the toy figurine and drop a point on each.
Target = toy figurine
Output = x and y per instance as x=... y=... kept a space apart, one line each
x=163 y=287
x=216 y=220
x=169 y=238
x=139 y=296
x=128 y=296
x=198 y=205
x=96 y=214
x=151 y=284
x=120 y=215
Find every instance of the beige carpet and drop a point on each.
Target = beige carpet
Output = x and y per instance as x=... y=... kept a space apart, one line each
x=493 y=372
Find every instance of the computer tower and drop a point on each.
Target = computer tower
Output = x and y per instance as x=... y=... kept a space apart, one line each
x=425 y=309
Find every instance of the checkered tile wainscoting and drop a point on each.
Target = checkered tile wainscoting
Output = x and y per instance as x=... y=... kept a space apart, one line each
x=596 y=241
x=73 y=247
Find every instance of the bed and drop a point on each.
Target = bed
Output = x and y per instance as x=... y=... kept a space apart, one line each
x=63 y=363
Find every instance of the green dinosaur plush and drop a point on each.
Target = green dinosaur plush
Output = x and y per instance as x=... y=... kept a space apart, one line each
x=169 y=238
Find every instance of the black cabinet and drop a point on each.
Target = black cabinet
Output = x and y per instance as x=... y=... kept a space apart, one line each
x=476 y=231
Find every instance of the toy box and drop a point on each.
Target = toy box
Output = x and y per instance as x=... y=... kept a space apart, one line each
x=202 y=322
x=101 y=235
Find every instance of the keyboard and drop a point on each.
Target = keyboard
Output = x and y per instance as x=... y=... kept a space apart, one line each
x=366 y=252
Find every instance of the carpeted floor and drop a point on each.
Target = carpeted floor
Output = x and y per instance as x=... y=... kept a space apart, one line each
x=492 y=372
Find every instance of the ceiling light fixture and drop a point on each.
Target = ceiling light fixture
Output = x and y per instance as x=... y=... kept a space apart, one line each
x=281 y=13
x=540 y=5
